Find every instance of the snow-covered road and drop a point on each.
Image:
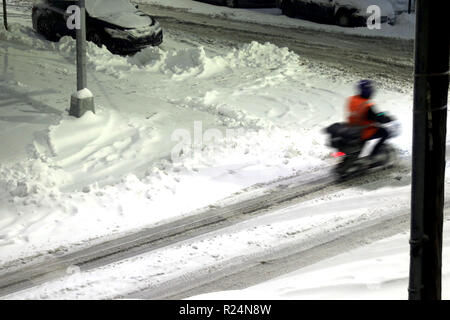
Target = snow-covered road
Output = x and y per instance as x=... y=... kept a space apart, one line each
x=118 y=163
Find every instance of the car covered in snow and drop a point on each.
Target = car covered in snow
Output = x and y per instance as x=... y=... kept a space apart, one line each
x=345 y=13
x=243 y=3
x=117 y=24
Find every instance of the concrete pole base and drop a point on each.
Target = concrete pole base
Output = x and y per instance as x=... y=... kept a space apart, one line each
x=81 y=102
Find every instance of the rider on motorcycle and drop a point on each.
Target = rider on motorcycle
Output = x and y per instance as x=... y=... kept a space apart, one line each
x=362 y=115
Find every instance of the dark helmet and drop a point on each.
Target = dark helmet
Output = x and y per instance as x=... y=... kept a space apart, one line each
x=365 y=88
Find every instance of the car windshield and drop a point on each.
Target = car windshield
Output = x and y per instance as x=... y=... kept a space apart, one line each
x=102 y=8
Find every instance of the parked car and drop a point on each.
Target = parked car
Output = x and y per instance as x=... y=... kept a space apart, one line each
x=401 y=6
x=346 y=13
x=117 y=24
x=243 y=3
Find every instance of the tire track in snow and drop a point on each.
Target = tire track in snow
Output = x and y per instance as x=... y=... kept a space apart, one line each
x=253 y=201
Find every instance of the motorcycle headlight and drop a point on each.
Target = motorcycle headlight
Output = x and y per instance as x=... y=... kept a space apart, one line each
x=120 y=34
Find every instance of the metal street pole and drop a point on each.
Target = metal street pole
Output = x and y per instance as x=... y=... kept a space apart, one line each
x=81 y=48
x=429 y=133
x=5 y=15
x=409 y=6
x=83 y=100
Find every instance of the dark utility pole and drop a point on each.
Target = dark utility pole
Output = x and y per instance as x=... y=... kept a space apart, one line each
x=5 y=15
x=429 y=131
x=82 y=100
x=81 y=48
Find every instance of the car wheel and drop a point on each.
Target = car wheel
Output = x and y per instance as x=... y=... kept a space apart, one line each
x=232 y=3
x=45 y=28
x=287 y=8
x=343 y=18
x=95 y=38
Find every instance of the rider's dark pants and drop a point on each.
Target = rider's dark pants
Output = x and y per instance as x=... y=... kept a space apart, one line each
x=383 y=135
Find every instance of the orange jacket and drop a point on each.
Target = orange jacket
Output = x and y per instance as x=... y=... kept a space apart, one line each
x=358 y=109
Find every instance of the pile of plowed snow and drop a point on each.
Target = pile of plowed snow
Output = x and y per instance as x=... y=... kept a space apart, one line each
x=177 y=63
x=29 y=178
x=162 y=130
x=184 y=63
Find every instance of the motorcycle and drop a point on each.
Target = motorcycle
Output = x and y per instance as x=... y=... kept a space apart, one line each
x=355 y=154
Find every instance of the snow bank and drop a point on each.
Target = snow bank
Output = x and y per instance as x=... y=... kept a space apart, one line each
x=83 y=94
x=267 y=56
x=179 y=64
x=194 y=62
x=375 y=271
x=29 y=193
x=47 y=198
